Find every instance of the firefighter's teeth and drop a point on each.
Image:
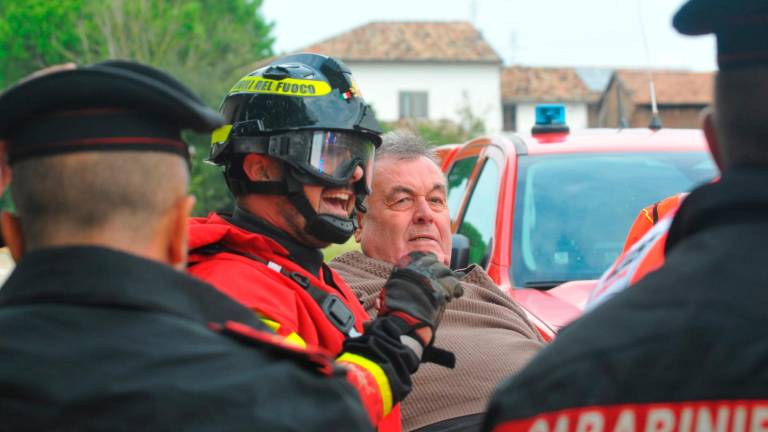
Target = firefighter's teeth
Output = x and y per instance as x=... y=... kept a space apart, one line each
x=340 y=196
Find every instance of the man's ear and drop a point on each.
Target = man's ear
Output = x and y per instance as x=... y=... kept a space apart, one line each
x=10 y=225
x=178 y=229
x=359 y=231
x=260 y=167
x=708 y=125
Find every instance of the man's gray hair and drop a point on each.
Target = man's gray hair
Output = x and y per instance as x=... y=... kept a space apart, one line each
x=405 y=145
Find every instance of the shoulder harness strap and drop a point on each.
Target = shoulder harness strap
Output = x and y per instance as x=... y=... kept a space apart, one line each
x=337 y=312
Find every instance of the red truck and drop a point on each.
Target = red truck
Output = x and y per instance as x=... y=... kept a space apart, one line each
x=547 y=214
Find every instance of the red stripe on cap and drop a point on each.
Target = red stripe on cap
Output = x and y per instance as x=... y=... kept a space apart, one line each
x=751 y=55
x=119 y=140
x=88 y=111
x=745 y=19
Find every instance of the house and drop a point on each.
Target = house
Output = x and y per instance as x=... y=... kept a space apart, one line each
x=422 y=70
x=680 y=97
x=522 y=88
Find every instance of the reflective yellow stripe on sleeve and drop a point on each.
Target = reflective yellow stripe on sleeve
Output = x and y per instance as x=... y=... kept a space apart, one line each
x=274 y=325
x=378 y=374
x=293 y=338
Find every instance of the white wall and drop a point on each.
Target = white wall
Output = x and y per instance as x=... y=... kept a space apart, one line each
x=445 y=83
x=575 y=115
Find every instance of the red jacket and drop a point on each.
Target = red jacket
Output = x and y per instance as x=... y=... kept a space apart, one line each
x=285 y=305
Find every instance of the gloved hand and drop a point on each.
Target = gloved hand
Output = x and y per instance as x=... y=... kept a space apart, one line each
x=412 y=302
x=417 y=292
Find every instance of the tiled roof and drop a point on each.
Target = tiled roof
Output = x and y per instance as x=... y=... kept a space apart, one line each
x=534 y=84
x=672 y=87
x=455 y=41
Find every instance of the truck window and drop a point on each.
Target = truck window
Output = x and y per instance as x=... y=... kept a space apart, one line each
x=480 y=217
x=458 y=178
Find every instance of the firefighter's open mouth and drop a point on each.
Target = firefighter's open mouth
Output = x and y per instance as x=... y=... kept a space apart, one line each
x=338 y=202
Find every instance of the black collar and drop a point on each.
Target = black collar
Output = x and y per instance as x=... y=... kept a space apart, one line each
x=106 y=277
x=309 y=258
x=740 y=196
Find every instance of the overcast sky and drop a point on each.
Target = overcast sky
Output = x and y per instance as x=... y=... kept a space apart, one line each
x=603 y=33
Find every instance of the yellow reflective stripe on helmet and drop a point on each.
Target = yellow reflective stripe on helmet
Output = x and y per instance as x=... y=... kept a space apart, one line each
x=221 y=134
x=291 y=339
x=284 y=87
x=378 y=374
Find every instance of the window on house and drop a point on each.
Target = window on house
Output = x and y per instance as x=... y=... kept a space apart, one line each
x=510 y=117
x=413 y=104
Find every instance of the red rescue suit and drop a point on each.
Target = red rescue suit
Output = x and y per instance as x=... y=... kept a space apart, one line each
x=252 y=269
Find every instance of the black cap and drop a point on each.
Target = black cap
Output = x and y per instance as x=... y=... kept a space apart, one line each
x=114 y=105
x=741 y=28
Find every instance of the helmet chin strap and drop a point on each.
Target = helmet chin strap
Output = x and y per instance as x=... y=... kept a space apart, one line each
x=324 y=227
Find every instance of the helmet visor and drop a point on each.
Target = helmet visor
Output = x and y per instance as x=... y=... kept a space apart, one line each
x=334 y=155
x=329 y=156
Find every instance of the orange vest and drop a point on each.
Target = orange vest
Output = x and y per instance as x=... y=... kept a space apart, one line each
x=643 y=250
x=649 y=216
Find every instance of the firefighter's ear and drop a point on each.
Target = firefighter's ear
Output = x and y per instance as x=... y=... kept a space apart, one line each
x=259 y=167
x=708 y=125
x=13 y=236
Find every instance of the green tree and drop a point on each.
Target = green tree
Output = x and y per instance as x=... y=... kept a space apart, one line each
x=203 y=43
x=35 y=34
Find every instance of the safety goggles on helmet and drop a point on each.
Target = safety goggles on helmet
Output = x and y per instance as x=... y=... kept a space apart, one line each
x=329 y=156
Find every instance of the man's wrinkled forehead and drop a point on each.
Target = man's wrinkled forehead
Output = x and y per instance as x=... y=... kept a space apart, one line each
x=400 y=188
x=392 y=184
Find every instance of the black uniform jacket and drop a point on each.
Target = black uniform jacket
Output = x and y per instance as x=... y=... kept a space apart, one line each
x=94 y=339
x=685 y=349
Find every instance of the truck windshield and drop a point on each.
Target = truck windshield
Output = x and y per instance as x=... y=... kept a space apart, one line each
x=573 y=212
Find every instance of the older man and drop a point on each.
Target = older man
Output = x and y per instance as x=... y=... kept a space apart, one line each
x=487 y=331
x=298 y=163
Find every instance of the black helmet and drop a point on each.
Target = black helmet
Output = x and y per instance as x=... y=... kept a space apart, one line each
x=305 y=110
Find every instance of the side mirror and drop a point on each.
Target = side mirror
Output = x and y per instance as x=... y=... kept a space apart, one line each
x=459 y=251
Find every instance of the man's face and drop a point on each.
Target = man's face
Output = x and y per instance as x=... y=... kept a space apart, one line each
x=336 y=201
x=278 y=211
x=407 y=211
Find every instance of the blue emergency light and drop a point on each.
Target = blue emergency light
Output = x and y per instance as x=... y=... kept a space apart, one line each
x=550 y=118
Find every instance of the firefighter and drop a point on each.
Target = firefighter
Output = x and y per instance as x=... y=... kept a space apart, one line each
x=680 y=350
x=98 y=331
x=297 y=150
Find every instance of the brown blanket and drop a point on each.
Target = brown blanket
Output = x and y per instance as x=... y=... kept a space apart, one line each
x=487 y=331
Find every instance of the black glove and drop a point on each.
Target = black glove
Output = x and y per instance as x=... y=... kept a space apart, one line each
x=417 y=292
x=381 y=343
x=414 y=297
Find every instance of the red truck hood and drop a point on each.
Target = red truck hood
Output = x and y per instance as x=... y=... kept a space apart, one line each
x=556 y=307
